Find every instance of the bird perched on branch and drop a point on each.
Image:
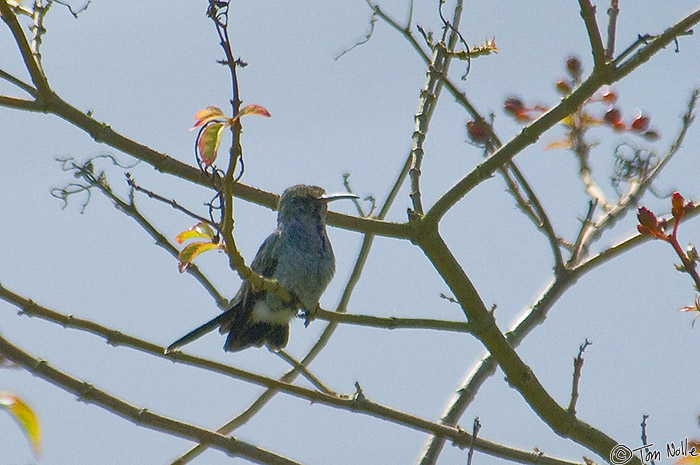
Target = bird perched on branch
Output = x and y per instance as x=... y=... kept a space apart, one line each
x=299 y=256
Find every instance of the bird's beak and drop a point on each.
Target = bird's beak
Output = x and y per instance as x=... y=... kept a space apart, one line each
x=332 y=197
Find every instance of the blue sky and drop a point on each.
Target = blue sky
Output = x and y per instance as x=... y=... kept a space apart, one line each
x=145 y=69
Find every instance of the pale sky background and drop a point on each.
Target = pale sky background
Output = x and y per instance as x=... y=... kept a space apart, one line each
x=146 y=67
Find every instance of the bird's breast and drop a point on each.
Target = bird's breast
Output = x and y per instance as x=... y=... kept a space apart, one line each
x=305 y=266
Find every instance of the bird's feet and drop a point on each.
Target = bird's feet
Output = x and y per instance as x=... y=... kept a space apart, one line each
x=309 y=315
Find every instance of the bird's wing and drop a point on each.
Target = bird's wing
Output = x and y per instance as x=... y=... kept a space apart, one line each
x=265 y=264
x=238 y=315
x=265 y=261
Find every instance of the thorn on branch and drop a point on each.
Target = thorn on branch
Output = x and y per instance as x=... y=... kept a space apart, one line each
x=359 y=396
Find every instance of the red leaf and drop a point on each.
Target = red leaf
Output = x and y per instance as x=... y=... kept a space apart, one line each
x=647 y=218
x=477 y=131
x=254 y=109
x=640 y=122
x=648 y=224
x=613 y=117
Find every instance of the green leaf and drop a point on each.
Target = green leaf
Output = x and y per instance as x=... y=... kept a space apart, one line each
x=198 y=231
x=26 y=418
x=192 y=250
x=208 y=142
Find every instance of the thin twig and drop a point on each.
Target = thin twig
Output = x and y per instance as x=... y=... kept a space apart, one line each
x=38 y=29
x=578 y=365
x=70 y=9
x=439 y=66
x=476 y=426
x=358 y=206
x=531 y=207
x=368 y=36
x=586 y=224
x=129 y=208
x=645 y=444
x=632 y=198
x=313 y=379
x=392 y=322
x=588 y=15
x=132 y=183
x=18 y=82
x=569 y=104
x=35 y=72
x=613 y=13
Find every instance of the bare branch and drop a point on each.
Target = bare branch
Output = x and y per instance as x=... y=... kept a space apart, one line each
x=531 y=206
x=346 y=402
x=568 y=105
x=17 y=82
x=518 y=374
x=644 y=436
x=588 y=15
x=654 y=45
x=132 y=183
x=430 y=93
x=368 y=36
x=586 y=224
x=613 y=12
x=33 y=67
x=129 y=208
x=392 y=322
x=140 y=416
x=578 y=365
x=475 y=432
x=313 y=379
x=638 y=189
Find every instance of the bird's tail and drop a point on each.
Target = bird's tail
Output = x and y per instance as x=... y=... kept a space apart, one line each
x=199 y=332
x=257 y=334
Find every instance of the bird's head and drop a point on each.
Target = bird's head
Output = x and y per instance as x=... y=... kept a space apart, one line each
x=306 y=202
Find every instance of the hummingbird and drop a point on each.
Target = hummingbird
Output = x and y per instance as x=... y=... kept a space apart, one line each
x=299 y=256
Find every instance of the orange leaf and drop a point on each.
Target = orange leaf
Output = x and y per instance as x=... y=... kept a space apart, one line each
x=677 y=205
x=208 y=141
x=24 y=416
x=198 y=231
x=206 y=115
x=190 y=252
x=559 y=144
